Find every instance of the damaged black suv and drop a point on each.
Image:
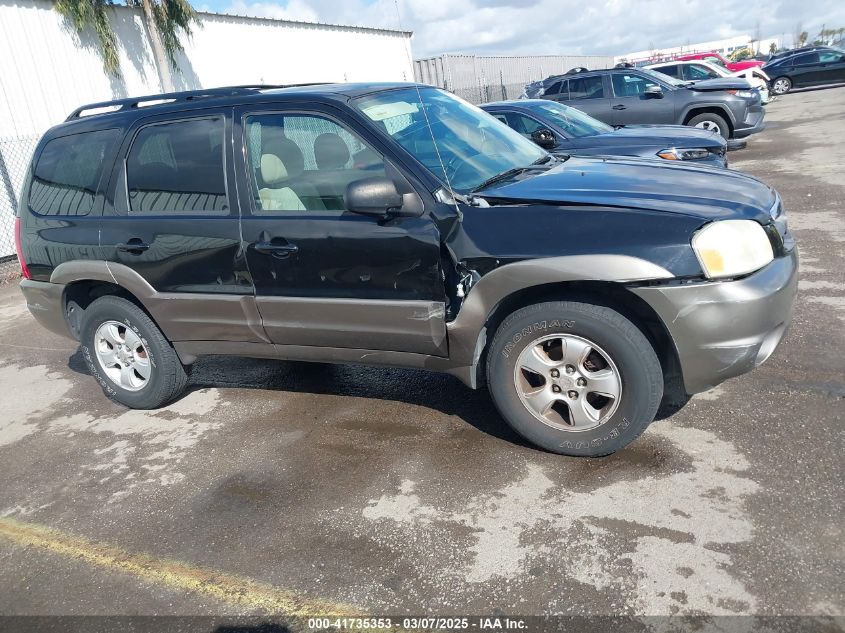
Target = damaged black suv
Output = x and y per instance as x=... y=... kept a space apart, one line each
x=395 y=224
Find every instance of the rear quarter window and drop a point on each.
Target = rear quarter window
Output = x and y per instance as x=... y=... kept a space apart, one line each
x=67 y=177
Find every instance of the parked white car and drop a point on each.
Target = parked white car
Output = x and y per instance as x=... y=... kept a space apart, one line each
x=699 y=69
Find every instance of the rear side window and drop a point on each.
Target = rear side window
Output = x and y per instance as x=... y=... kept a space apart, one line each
x=67 y=175
x=672 y=71
x=178 y=168
x=586 y=88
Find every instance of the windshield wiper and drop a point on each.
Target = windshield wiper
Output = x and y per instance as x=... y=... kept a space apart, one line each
x=540 y=163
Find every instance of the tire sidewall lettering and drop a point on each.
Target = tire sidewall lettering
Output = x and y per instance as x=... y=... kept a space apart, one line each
x=537 y=326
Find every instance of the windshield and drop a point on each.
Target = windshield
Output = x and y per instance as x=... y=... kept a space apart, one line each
x=471 y=145
x=661 y=77
x=574 y=123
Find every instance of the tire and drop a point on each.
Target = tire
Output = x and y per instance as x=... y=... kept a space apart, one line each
x=781 y=85
x=107 y=322
x=710 y=121
x=620 y=346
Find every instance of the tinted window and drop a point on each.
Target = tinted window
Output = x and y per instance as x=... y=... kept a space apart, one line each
x=304 y=162
x=807 y=59
x=630 y=85
x=555 y=88
x=672 y=70
x=697 y=73
x=177 y=168
x=523 y=124
x=586 y=88
x=68 y=173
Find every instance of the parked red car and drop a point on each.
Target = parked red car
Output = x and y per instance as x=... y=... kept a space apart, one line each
x=716 y=58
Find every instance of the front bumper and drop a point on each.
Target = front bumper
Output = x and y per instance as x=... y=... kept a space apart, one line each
x=752 y=124
x=45 y=301
x=724 y=329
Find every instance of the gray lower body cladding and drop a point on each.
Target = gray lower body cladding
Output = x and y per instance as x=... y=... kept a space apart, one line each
x=724 y=329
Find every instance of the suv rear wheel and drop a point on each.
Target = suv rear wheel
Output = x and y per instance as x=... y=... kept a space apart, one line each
x=129 y=356
x=712 y=122
x=574 y=378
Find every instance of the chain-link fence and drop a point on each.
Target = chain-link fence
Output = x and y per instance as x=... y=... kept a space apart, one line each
x=15 y=155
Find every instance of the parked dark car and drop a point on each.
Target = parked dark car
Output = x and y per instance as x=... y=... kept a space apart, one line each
x=625 y=96
x=811 y=68
x=395 y=224
x=562 y=129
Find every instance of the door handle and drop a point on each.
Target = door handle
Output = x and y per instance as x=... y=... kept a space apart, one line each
x=619 y=106
x=134 y=246
x=279 y=251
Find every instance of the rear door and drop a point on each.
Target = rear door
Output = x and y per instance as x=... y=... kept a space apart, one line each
x=172 y=217
x=324 y=276
x=631 y=105
x=806 y=70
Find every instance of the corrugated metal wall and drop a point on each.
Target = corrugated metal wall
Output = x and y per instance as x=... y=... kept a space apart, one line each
x=47 y=70
x=483 y=79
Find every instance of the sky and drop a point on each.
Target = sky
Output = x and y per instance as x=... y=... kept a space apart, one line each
x=523 y=27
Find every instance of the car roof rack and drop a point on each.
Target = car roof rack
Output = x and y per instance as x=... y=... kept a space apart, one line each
x=576 y=70
x=119 y=105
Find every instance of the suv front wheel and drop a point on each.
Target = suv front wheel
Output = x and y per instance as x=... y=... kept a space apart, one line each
x=574 y=378
x=129 y=356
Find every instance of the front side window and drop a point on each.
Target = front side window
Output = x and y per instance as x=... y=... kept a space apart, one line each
x=523 y=124
x=573 y=122
x=625 y=85
x=586 y=88
x=831 y=57
x=67 y=176
x=459 y=143
x=178 y=168
x=304 y=162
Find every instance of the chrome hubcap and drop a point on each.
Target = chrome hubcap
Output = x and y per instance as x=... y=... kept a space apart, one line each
x=781 y=86
x=710 y=126
x=568 y=382
x=122 y=356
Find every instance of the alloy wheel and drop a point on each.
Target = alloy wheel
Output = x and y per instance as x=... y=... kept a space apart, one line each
x=122 y=355
x=781 y=86
x=568 y=382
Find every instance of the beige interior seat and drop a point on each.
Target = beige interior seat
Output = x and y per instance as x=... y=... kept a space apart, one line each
x=276 y=195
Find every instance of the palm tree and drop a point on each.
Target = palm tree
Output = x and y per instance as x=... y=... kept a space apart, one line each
x=164 y=21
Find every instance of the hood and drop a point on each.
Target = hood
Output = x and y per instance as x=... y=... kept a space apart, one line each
x=721 y=83
x=702 y=192
x=669 y=135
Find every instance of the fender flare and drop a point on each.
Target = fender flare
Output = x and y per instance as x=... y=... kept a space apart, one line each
x=467 y=333
x=709 y=104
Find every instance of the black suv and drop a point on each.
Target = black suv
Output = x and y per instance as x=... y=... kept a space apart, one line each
x=624 y=96
x=395 y=224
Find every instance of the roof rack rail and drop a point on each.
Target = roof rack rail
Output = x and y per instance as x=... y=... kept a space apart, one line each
x=118 y=105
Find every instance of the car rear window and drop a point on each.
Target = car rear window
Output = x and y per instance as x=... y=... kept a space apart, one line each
x=177 y=168
x=66 y=178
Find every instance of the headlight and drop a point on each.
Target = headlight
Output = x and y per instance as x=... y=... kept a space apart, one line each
x=674 y=153
x=745 y=94
x=729 y=248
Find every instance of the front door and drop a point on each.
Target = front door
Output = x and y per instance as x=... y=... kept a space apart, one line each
x=324 y=276
x=632 y=105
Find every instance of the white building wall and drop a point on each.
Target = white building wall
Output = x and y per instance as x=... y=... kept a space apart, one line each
x=47 y=70
x=724 y=46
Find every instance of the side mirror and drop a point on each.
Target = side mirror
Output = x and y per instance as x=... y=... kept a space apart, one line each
x=655 y=92
x=379 y=197
x=544 y=138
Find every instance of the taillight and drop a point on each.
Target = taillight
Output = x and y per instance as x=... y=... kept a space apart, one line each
x=19 y=250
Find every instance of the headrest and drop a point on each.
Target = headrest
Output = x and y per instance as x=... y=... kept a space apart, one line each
x=273 y=170
x=273 y=141
x=330 y=151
